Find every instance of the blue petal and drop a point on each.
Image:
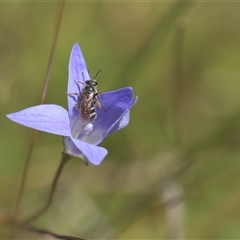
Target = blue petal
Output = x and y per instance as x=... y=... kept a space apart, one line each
x=77 y=71
x=92 y=153
x=72 y=150
x=47 y=118
x=123 y=121
x=116 y=105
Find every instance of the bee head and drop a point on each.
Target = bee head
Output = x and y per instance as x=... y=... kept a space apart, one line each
x=91 y=82
x=88 y=89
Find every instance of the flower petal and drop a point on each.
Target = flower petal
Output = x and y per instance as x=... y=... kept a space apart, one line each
x=72 y=150
x=123 y=121
x=49 y=118
x=77 y=71
x=77 y=148
x=116 y=105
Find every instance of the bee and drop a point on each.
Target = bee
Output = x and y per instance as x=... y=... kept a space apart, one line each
x=89 y=101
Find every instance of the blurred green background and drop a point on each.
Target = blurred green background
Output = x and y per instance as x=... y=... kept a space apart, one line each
x=174 y=171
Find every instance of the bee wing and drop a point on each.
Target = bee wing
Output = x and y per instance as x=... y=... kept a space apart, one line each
x=85 y=107
x=84 y=113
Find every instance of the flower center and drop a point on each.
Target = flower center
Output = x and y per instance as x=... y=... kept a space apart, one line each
x=85 y=132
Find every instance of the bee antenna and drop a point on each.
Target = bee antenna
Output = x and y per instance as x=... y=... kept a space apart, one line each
x=97 y=73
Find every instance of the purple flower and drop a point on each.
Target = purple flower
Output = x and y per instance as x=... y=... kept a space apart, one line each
x=80 y=139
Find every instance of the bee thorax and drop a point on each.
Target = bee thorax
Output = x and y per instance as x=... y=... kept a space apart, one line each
x=89 y=101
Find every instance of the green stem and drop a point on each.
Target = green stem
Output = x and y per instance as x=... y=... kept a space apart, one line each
x=22 y=184
x=64 y=160
x=33 y=140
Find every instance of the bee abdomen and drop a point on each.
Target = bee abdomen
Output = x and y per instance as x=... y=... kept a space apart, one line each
x=92 y=113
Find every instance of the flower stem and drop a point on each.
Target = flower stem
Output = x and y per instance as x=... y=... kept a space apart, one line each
x=64 y=160
x=52 y=53
x=28 y=158
x=22 y=184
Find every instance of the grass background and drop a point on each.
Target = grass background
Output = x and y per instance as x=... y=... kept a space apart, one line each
x=174 y=171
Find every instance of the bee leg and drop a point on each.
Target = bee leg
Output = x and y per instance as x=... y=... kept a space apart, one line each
x=78 y=81
x=78 y=105
x=99 y=105
x=73 y=93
